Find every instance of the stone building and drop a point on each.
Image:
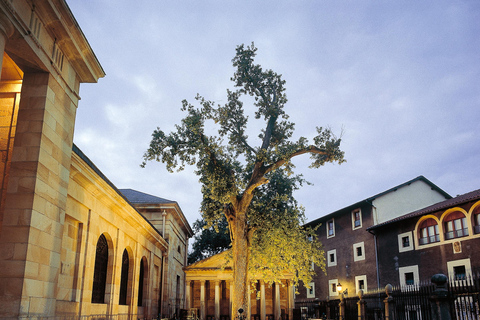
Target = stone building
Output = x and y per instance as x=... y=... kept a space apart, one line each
x=209 y=288
x=71 y=244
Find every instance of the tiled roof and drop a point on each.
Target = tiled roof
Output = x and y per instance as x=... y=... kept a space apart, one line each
x=135 y=196
x=464 y=198
x=372 y=198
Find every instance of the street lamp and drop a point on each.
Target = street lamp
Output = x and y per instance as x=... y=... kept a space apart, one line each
x=340 y=288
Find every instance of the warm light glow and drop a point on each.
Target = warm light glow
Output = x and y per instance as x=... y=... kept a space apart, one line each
x=339 y=287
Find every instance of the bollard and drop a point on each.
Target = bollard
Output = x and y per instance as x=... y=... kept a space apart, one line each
x=439 y=300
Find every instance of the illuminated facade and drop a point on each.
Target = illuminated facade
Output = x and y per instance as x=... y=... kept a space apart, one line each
x=71 y=244
x=210 y=283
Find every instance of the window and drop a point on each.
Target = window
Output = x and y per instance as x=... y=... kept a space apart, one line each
x=359 y=251
x=360 y=283
x=455 y=225
x=459 y=269
x=100 y=271
x=332 y=287
x=476 y=219
x=332 y=258
x=408 y=276
x=459 y=273
x=429 y=232
x=405 y=242
x=311 y=290
x=124 y=279
x=356 y=219
x=409 y=279
x=330 y=229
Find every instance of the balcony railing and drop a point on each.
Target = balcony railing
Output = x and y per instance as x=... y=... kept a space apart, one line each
x=430 y=239
x=456 y=234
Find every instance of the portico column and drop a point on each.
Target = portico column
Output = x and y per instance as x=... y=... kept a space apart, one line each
x=202 y=299
x=277 y=312
x=263 y=309
x=188 y=295
x=6 y=30
x=217 y=299
x=290 y=297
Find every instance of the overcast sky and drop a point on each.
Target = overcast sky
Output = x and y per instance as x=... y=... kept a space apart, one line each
x=400 y=78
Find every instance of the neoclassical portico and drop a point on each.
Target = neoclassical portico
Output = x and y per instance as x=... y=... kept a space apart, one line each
x=210 y=286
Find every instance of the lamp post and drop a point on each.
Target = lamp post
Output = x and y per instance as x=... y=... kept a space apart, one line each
x=342 y=301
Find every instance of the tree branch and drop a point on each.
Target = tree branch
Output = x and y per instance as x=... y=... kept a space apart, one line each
x=281 y=162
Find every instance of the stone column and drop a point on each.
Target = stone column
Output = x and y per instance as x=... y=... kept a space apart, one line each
x=263 y=307
x=217 y=299
x=291 y=300
x=202 y=300
x=34 y=212
x=277 y=311
x=188 y=295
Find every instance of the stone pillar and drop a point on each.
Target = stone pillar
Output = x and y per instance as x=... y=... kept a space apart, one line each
x=440 y=298
x=277 y=311
x=389 y=303
x=6 y=30
x=34 y=212
x=202 y=300
x=263 y=307
x=361 y=306
x=217 y=299
x=188 y=297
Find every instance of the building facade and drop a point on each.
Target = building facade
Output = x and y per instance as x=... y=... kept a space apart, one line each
x=350 y=250
x=71 y=244
x=167 y=217
x=209 y=288
x=441 y=238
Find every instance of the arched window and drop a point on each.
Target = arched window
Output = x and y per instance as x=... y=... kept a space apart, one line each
x=124 y=279
x=140 y=284
x=455 y=225
x=476 y=219
x=429 y=232
x=100 y=271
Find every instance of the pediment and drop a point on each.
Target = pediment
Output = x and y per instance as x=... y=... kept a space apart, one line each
x=217 y=261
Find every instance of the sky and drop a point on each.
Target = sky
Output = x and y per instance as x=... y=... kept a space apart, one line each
x=399 y=81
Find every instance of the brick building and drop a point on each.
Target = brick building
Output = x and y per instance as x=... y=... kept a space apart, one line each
x=441 y=238
x=351 y=254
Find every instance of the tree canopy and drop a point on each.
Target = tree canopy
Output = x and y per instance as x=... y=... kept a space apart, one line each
x=250 y=184
x=209 y=241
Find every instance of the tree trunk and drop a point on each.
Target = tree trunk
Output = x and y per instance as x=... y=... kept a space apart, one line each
x=240 y=266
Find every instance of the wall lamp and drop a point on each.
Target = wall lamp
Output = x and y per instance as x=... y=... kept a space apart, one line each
x=340 y=288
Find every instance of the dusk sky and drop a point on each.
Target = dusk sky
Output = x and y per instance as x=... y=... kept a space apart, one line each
x=400 y=79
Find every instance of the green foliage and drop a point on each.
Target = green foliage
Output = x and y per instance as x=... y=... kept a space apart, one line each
x=209 y=241
x=239 y=177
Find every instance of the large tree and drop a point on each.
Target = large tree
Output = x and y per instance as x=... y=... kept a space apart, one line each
x=209 y=239
x=264 y=222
